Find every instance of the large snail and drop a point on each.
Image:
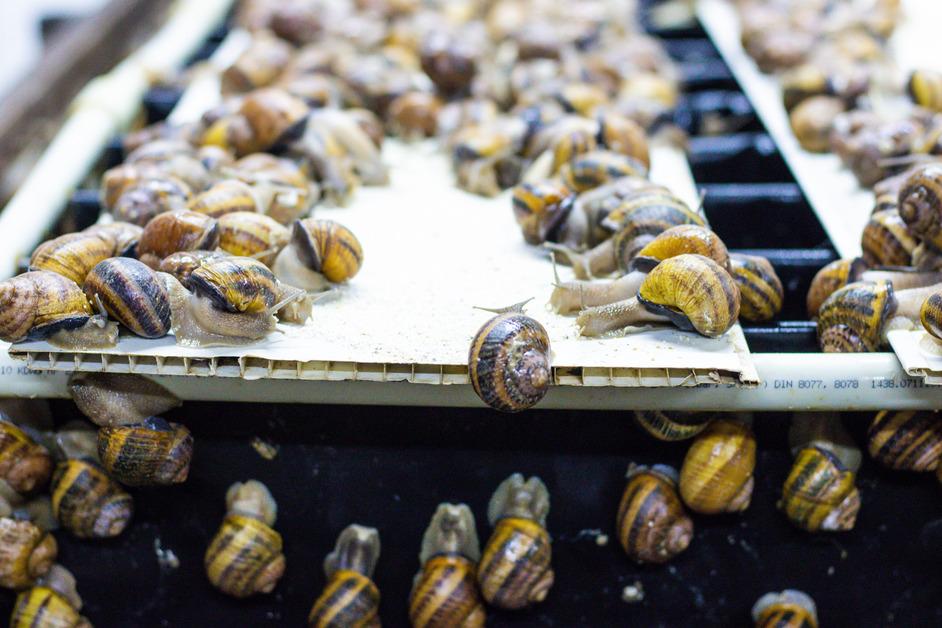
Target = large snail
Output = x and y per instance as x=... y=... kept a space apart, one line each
x=225 y=197
x=319 y=253
x=908 y=440
x=150 y=453
x=72 y=255
x=52 y=602
x=181 y=230
x=515 y=571
x=251 y=234
x=132 y=293
x=840 y=272
x=717 y=472
x=819 y=493
x=788 y=609
x=88 y=503
x=651 y=523
x=509 y=360
x=886 y=241
x=24 y=464
x=350 y=597
x=110 y=399
x=760 y=290
x=245 y=557
x=672 y=426
x=26 y=552
x=445 y=591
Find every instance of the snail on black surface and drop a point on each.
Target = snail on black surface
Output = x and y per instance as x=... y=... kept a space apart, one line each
x=182 y=230
x=250 y=234
x=445 y=591
x=52 y=602
x=509 y=362
x=819 y=493
x=152 y=453
x=651 y=522
x=515 y=571
x=110 y=399
x=788 y=609
x=245 y=557
x=350 y=597
x=717 y=474
x=760 y=290
x=25 y=465
x=672 y=426
x=908 y=440
x=319 y=253
x=88 y=503
x=27 y=552
x=825 y=431
x=132 y=293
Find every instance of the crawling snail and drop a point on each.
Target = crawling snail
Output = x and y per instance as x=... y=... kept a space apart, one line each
x=788 y=609
x=445 y=591
x=24 y=464
x=651 y=523
x=88 y=503
x=132 y=293
x=886 y=241
x=515 y=571
x=819 y=493
x=113 y=399
x=509 y=360
x=672 y=426
x=245 y=556
x=53 y=601
x=691 y=291
x=151 y=453
x=319 y=253
x=717 y=472
x=350 y=597
x=251 y=234
x=760 y=290
x=26 y=552
x=906 y=440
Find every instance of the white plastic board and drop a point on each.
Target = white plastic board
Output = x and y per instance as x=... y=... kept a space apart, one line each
x=919 y=353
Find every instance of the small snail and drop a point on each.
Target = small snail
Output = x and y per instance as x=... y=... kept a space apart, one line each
x=672 y=426
x=319 y=251
x=582 y=98
x=485 y=156
x=886 y=241
x=224 y=197
x=132 y=293
x=252 y=235
x=788 y=609
x=110 y=399
x=52 y=602
x=717 y=472
x=72 y=255
x=87 y=502
x=930 y=314
x=350 y=597
x=182 y=230
x=819 y=493
x=26 y=553
x=590 y=170
x=414 y=115
x=273 y=115
x=651 y=523
x=245 y=556
x=151 y=453
x=691 y=291
x=515 y=571
x=811 y=121
x=24 y=464
x=760 y=289
x=445 y=591
x=906 y=440
x=182 y=263
x=509 y=360
x=925 y=89
x=449 y=61
x=919 y=204
x=542 y=209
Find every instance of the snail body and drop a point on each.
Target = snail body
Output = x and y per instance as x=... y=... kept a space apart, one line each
x=760 y=289
x=52 y=602
x=717 y=474
x=651 y=523
x=509 y=361
x=251 y=234
x=24 y=464
x=110 y=399
x=132 y=293
x=87 y=502
x=350 y=597
x=515 y=570
x=819 y=493
x=788 y=609
x=26 y=553
x=907 y=440
x=672 y=426
x=72 y=255
x=319 y=252
x=181 y=230
x=152 y=453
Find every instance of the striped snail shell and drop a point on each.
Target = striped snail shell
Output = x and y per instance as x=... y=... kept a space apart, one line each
x=52 y=603
x=24 y=464
x=760 y=289
x=245 y=557
x=925 y=89
x=640 y=219
x=225 y=197
x=686 y=238
x=152 y=453
x=350 y=598
x=509 y=361
x=235 y=284
x=819 y=493
x=623 y=135
x=71 y=255
x=812 y=119
x=717 y=472
x=541 y=207
x=87 y=502
x=26 y=553
x=119 y=399
x=182 y=263
x=515 y=571
x=570 y=144
x=122 y=236
x=182 y=230
x=132 y=294
x=414 y=115
x=319 y=250
x=851 y=320
x=920 y=204
x=906 y=439
x=930 y=314
x=672 y=426
x=445 y=591
x=251 y=234
x=40 y=303
x=651 y=523
x=886 y=241
x=154 y=194
x=788 y=609
x=279 y=186
x=830 y=278
x=592 y=169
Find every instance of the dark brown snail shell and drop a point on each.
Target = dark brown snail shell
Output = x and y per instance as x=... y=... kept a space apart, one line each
x=132 y=294
x=87 y=502
x=24 y=464
x=152 y=453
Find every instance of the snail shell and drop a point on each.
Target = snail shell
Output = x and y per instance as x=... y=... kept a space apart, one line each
x=717 y=472
x=541 y=207
x=232 y=133
x=449 y=61
x=24 y=465
x=685 y=238
x=582 y=98
x=906 y=440
x=131 y=293
x=274 y=115
x=281 y=189
x=672 y=426
x=183 y=263
x=788 y=609
x=832 y=276
x=153 y=195
x=851 y=320
x=886 y=241
x=414 y=115
x=812 y=119
x=623 y=135
x=595 y=168
x=72 y=255
x=236 y=284
x=182 y=230
x=122 y=236
x=819 y=493
x=252 y=235
x=26 y=553
x=43 y=606
x=760 y=289
x=925 y=89
x=350 y=598
x=87 y=502
x=119 y=399
x=319 y=250
x=638 y=220
x=259 y=65
x=509 y=361
x=930 y=313
x=652 y=525
x=224 y=197
x=37 y=304
x=920 y=204
x=152 y=453
x=571 y=144
x=515 y=571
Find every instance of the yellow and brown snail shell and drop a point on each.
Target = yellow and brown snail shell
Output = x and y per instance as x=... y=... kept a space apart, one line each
x=851 y=320
x=109 y=399
x=717 y=472
x=131 y=293
x=920 y=204
x=26 y=553
x=906 y=439
x=830 y=278
x=350 y=597
x=811 y=121
x=72 y=255
x=541 y=207
x=930 y=314
x=672 y=426
x=788 y=609
x=651 y=523
x=819 y=493
x=886 y=241
x=319 y=250
x=182 y=230
x=592 y=169
x=685 y=238
x=40 y=303
x=88 y=503
x=53 y=602
x=151 y=453
x=760 y=290
x=182 y=263
x=414 y=115
x=225 y=197
x=925 y=89
x=122 y=236
x=24 y=464
x=623 y=135
x=236 y=284
x=250 y=234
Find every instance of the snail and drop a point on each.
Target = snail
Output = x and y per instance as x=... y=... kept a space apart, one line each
x=136 y=193
x=919 y=205
x=672 y=426
x=930 y=315
x=906 y=439
x=509 y=360
x=841 y=272
x=651 y=523
x=320 y=252
x=182 y=263
x=350 y=597
x=182 y=230
x=88 y=503
x=132 y=293
x=811 y=121
x=122 y=236
x=53 y=601
x=623 y=135
x=825 y=431
x=113 y=399
x=259 y=65
x=760 y=290
x=280 y=189
x=886 y=241
x=414 y=115
x=252 y=235
x=445 y=591
x=72 y=255
x=151 y=453
x=485 y=156
x=514 y=571
x=716 y=476
x=26 y=553
x=25 y=466
x=691 y=291
x=245 y=556
x=173 y=158
x=925 y=89
x=543 y=210
x=332 y=134
x=449 y=60
x=558 y=143
x=582 y=98
x=592 y=169
x=819 y=493
x=599 y=202
x=788 y=609
x=225 y=197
